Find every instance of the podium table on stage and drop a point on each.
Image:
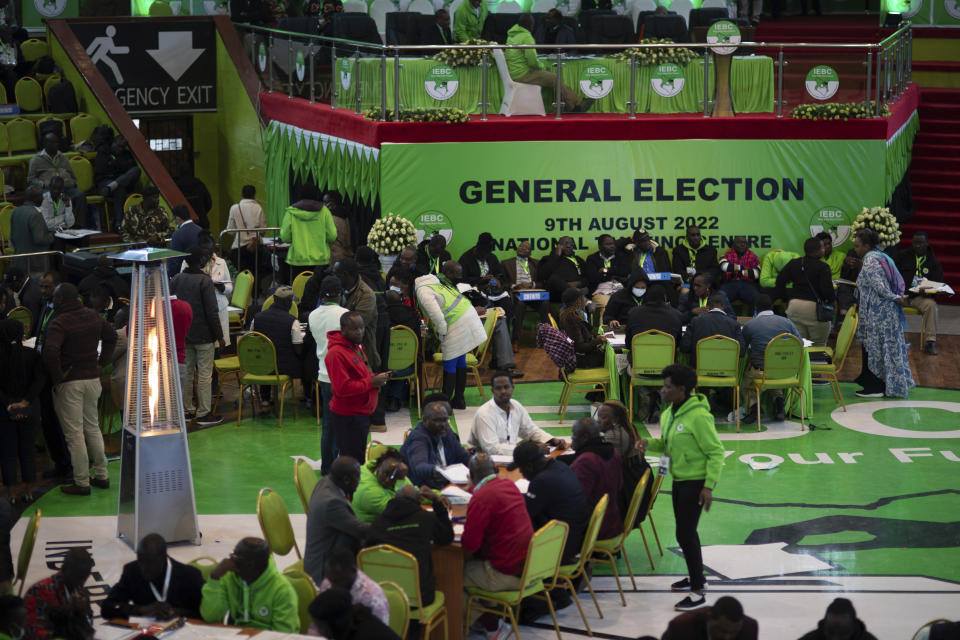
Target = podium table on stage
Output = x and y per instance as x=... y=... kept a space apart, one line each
x=752 y=86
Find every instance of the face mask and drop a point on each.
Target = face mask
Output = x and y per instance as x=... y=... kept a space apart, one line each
x=639 y=292
x=583 y=314
x=397 y=289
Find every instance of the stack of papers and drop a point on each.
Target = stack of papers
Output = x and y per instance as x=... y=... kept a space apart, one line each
x=455 y=473
x=501 y=459
x=929 y=286
x=456 y=495
x=522 y=484
x=75 y=234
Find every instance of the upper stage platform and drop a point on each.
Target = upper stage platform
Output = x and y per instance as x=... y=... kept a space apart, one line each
x=345 y=123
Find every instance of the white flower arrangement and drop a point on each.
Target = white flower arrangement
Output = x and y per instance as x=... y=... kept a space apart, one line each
x=880 y=220
x=389 y=235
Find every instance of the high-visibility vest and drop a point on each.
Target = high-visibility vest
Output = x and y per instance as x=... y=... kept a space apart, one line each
x=454 y=304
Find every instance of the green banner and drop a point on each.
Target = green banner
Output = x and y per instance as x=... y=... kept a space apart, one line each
x=776 y=192
x=36 y=11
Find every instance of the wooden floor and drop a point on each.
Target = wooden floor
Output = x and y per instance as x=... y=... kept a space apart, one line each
x=941 y=371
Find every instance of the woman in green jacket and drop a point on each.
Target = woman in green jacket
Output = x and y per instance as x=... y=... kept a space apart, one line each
x=380 y=480
x=693 y=455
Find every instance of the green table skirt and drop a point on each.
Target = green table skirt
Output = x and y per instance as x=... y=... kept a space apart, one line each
x=751 y=80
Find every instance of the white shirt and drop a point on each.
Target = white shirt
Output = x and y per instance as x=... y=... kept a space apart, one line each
x=324 y=318
x=246 y=214
x=494 y=432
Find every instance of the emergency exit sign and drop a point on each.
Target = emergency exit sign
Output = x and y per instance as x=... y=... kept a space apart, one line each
x=155 y=66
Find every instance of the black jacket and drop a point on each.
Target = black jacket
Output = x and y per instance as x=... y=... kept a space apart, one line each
x=661 y=261
x=597 y=272
x=712 y=323
x=557 y=271
x=133 y=590
x=425 y=261
x=704 y=261
x=659 y=316
x=406 y=526
x=471 y=267
x=810 y=278
x=104 y=274
x=620 y=305
x=688 y=302
x=431 y=34
x=196 y=288
x=930 y=269
x=555 y=494
x=860 y=634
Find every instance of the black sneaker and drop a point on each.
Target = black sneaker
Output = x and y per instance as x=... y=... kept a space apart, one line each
x=681 y=585
x=778 y=409
x=190 y=415
x=867 y=393
x=209 y=420
x=99 y=483
x=690 y=603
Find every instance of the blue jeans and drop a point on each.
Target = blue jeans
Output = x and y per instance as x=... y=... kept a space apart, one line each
x=451 y=366
x=395 y=388
x=740 y=290
x=328 y=437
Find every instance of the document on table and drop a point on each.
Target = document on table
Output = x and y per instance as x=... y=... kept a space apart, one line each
x=103 y=630
x=455 y=494
x=75 y=234
x=278 y=635
x=616 y=340
x=499 y=458
x=807 y=343
x=929 y=286
x=455 y=473
x=522 y=484
x=204 y=632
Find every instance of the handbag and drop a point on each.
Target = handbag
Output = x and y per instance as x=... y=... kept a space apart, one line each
x=824 y=310
x=252 y=246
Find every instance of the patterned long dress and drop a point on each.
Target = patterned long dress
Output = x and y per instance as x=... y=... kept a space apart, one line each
x=882 y=322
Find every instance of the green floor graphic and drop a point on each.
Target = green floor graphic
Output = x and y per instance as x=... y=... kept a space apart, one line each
x=865 y=504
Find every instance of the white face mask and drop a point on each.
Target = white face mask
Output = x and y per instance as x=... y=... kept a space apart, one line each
x=639 y=292
x=397 y=289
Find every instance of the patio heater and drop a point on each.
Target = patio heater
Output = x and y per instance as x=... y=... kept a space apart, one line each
x=156 y=483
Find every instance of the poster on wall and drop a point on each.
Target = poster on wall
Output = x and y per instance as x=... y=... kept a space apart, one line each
x=775 y=192
x=155 y=66
x=144 y=8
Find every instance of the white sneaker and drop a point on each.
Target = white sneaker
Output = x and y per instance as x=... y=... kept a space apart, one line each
x=504 y=630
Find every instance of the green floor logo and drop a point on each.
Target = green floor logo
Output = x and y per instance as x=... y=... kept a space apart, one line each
x=345 y=73
x=667 y=80
x=441 y=82
x=301 y=67
x=723 y=32
x=262 y=56
x=822 y=82
x=596 y=81
x=834 y=221
x=430 y=223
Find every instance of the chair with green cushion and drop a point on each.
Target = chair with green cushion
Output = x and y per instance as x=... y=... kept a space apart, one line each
x=240 y=300
x=29 y=94
x=838 y=355
x=229 y=366
x=82 y=126
x=26 y=551
x=83 y=171
x=650 y=352
x=132 y=200
x=275 y=524
x=48 y=83
x=25 y=317
x=570 y=572
x=782 y=363
x=399 y=607
x=204 y=564
x=606 y=550
x=300 y=283
x=22 y=134
x=385 y=562
x=718 y=365
x=6 y=213
x=258 y=364
x=3 y=95
x=581 y=381
x=404 y=352
x=478 y=358
x=305 y=478
x=306 y=592
x=33 y=49
x=269 y=303
x=541 y=565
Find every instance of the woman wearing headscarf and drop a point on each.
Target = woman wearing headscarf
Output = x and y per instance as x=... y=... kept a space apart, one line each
x=880 y=288
x=21 y=378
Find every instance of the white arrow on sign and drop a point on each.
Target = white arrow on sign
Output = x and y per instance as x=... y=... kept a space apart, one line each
x=175 y=52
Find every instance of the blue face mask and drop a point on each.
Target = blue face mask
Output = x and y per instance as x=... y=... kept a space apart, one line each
x=583 y=314
x=397 y=289
x=639 y=292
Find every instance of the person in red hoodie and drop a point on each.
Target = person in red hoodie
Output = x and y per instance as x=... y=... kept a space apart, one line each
x=497 y=531
x=355 y=386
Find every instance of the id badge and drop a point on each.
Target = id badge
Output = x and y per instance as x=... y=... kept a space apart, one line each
x=664 y=465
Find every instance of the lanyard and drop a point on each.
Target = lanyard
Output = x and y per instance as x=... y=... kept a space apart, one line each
x=606 y=263
x=484 y=267
x=702 y=302
x=571 y=259
x=435 y=266
x=523 y=265
x=166 y=585
x=920 y=262
x=643 y=259
x=47 y=314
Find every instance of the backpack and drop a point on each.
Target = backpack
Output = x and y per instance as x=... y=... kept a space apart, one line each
x=558 y=345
